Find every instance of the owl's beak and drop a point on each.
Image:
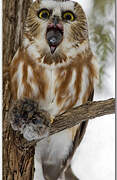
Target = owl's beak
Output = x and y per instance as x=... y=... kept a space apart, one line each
x=55 y=21
x=54 y=34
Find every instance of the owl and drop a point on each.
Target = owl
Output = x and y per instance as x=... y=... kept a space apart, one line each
x=53 y=70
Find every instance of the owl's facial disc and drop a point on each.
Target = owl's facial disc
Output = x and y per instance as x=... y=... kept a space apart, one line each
x=54 y=36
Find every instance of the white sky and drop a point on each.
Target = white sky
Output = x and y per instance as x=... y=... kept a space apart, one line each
x=95 y=158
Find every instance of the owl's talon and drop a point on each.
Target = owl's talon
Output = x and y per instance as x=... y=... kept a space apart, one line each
x=51 y=119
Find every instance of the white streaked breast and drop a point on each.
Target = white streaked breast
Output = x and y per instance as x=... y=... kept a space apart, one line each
x=19 y=79
x=84 y=85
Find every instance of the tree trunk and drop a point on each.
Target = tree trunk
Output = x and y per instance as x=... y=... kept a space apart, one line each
x=17 y=162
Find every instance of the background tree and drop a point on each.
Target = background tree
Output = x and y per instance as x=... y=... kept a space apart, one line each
x=102 y=35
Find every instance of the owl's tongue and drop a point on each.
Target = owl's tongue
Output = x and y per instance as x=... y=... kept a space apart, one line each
x=52 y=48
x=54 y=37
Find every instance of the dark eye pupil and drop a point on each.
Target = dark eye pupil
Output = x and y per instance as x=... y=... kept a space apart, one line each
x=68 y=17
x=45 y=15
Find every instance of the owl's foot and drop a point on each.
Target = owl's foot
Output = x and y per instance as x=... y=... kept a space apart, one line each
x=51 y=119
x=26 y=117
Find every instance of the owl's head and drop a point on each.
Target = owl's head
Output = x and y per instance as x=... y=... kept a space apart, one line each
x=56 y=26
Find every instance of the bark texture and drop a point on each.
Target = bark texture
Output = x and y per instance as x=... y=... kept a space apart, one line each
x=17 y=164
x=90 y=110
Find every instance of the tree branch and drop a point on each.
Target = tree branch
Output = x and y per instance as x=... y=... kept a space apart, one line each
x=70 y=118
x=90 y=110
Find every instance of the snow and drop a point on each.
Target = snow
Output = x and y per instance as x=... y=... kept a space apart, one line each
x=95 y=158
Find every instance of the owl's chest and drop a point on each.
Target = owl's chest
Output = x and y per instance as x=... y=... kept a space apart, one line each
x=49 y=101
x=59 y=91
x=56 y=89
x=52 y=83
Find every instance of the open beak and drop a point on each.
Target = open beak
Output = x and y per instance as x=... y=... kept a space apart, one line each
x=54 y=34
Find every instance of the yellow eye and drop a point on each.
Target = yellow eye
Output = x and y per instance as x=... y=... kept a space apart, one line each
x=44 y=13
x=69 y=16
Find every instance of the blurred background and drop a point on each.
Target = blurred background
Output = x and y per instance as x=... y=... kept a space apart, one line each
x=95 y=158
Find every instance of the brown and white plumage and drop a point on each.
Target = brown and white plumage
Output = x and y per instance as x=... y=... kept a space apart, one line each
x=60 y=76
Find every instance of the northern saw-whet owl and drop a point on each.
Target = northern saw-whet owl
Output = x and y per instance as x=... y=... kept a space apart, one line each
x=55 y=67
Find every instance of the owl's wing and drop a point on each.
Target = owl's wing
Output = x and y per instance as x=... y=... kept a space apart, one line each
x=81 y=131
x=77 y=140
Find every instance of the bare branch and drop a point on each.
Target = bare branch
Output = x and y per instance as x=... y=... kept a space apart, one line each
x=74 y=116
x=90 y=110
